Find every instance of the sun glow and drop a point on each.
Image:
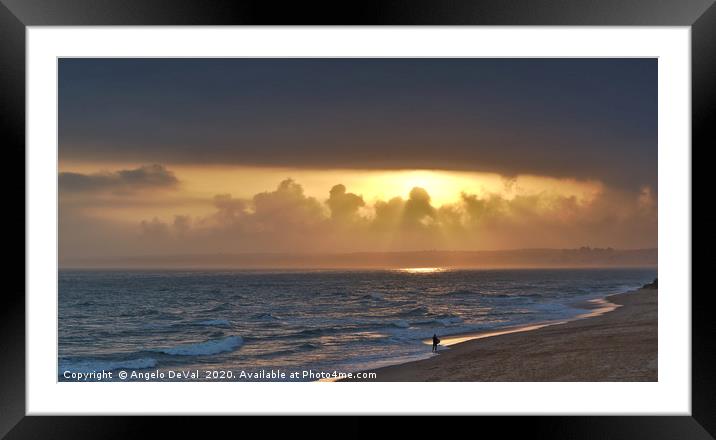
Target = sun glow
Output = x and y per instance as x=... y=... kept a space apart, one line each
x=422 y=270
x=443 y=186
x=198 y=185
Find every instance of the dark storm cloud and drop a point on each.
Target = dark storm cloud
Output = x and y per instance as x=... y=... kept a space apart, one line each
x=145 y=177
x=584 y=118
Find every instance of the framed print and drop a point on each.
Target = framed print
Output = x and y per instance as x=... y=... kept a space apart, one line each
x=224 y=218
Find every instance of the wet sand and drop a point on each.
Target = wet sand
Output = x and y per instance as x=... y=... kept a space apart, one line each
x=608 y=345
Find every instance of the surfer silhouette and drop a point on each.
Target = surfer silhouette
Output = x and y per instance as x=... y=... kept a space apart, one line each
x=436 y=341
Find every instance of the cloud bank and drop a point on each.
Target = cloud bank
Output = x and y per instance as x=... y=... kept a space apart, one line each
x=287 y=220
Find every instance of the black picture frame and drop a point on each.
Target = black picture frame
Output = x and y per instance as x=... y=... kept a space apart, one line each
x=16 y=15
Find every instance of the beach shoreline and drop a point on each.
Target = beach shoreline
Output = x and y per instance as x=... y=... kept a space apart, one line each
x=615 y=341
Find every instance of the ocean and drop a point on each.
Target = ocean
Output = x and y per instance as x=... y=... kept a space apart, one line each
x=228 y=325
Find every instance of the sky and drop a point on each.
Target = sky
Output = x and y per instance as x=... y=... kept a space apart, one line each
x=184 y=156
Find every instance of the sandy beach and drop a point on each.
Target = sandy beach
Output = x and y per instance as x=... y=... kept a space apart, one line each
x=618 y=344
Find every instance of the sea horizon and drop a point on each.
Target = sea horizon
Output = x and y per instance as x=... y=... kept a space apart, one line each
x=482 y=259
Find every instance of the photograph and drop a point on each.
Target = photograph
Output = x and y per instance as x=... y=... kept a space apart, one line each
x=357 y=219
